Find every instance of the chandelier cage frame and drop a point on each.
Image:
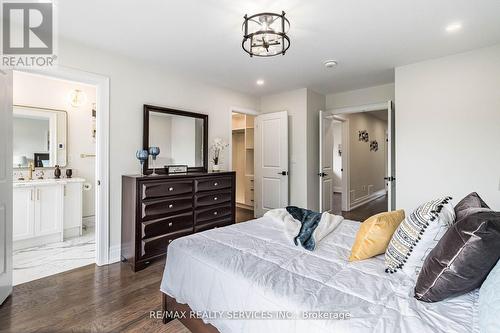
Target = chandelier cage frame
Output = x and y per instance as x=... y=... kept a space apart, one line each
x=249 y=38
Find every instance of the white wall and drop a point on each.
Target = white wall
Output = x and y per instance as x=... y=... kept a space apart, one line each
x=448 y=128
x=135 y=83
x=367 y=168
x=371 y=95
x=41 y=91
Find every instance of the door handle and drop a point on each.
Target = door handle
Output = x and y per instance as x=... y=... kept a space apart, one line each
x=322 y=174
x=283 y=173
x=390 y=179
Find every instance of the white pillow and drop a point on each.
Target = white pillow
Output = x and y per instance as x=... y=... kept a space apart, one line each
x=417 y=235
x=489 y=302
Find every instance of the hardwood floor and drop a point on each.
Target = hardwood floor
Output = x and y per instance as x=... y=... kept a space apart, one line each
x=89 y=299
x=361 y=213
x=243 y=215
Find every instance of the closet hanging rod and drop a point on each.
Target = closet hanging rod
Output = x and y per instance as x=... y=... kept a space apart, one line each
x=86 y=155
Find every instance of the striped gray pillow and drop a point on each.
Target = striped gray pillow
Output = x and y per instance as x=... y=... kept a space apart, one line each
x=427 y=222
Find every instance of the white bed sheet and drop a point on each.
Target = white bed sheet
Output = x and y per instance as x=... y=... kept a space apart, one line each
x=252 y=266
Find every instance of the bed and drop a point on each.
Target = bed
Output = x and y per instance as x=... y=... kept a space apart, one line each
x=253 y=267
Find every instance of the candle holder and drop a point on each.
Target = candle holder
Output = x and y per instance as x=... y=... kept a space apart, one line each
x=154 y=152
x=142 y=155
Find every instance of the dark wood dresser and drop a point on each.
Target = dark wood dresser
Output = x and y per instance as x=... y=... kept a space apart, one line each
x=159 y=209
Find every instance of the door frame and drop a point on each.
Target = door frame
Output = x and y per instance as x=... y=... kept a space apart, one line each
x=236 y=109
x=104 y=255
x=346 y=177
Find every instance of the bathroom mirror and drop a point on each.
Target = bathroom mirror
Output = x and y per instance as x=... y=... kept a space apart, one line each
x=180 y=135
x=39 y=136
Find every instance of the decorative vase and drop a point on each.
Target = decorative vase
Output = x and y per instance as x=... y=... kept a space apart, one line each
x=57 y=172
x=216 y=167
x=142 y=155
x=69 y=173
x=154 y=152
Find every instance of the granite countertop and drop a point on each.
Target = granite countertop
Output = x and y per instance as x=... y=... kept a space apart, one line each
x=47 y=181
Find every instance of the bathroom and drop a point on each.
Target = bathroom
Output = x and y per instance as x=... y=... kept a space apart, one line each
x=54 y=147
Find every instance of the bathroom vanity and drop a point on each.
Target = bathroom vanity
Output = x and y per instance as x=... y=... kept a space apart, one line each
x=46 y=211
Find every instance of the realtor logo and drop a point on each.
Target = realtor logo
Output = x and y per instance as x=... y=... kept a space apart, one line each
x=27 y=34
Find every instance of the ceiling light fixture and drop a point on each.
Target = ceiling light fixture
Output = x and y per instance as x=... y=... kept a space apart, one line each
x=77 y=98
x=260 y=82
x=330 y=63
x=265 y=34
x=454 y=27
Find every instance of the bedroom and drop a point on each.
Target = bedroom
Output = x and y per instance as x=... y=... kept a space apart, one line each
x=438 y=62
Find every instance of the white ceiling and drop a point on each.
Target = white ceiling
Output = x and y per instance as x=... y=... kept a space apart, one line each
x=202 y=38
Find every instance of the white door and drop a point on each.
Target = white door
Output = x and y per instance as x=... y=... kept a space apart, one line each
x=5 y=184
x=271 y=162
x=325 y=162
x=48 y=208
x=23 y=214
x=391 y=163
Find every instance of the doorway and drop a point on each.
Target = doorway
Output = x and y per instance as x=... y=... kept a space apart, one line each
x=356 y=160
x=54 y=162
x=242 y=143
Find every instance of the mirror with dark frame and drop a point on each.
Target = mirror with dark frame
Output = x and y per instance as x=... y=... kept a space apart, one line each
x=181 y=136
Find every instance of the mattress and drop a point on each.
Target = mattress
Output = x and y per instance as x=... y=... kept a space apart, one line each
x=248 y=277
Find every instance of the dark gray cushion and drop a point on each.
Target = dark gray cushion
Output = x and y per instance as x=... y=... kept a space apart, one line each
x=463 y=257
x=470 y=202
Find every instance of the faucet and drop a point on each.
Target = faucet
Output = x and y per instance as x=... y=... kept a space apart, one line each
x=31 y=167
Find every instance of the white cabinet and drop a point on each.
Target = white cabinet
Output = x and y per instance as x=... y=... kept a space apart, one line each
x=46 y=211
x=23 y=214
x=73 y=209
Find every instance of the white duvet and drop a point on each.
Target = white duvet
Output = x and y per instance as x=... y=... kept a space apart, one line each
x=253 y=267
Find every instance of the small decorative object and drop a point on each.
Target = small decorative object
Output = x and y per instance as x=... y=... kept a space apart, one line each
x=363 y=136
x=40 y=174
x=69 y=173
x=217 y=147
x=374 y=145
x=154 y=152
x=176 y=169
x=57 y=172
x=142 y=155
x=20 y=175
x=265 y=34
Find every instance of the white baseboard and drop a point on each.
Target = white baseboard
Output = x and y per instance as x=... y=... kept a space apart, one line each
x=114 y=254
x=366 y=199
x=88 y=221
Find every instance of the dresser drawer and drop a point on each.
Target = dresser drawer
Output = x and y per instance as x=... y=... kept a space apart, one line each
x=223 y=212
x=151 y=190
x=213 y=225
x=158 y=245
x=213 y=183
x=167 y=225
x=212 y=198
x=154 y=209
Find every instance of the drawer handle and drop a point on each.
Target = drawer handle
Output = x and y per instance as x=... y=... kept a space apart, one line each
x=215 y=198
x=169 y=241
x=170 y=206
x=170 y=224
x=216 y=184
x=170 y=189
x=215 y=213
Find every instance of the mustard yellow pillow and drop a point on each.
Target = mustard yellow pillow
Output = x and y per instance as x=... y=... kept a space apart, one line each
x=374 y=235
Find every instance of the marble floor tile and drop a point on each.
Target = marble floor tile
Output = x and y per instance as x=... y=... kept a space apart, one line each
x=40 y=261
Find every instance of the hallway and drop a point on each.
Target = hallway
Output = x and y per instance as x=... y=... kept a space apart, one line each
x=361 y=213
